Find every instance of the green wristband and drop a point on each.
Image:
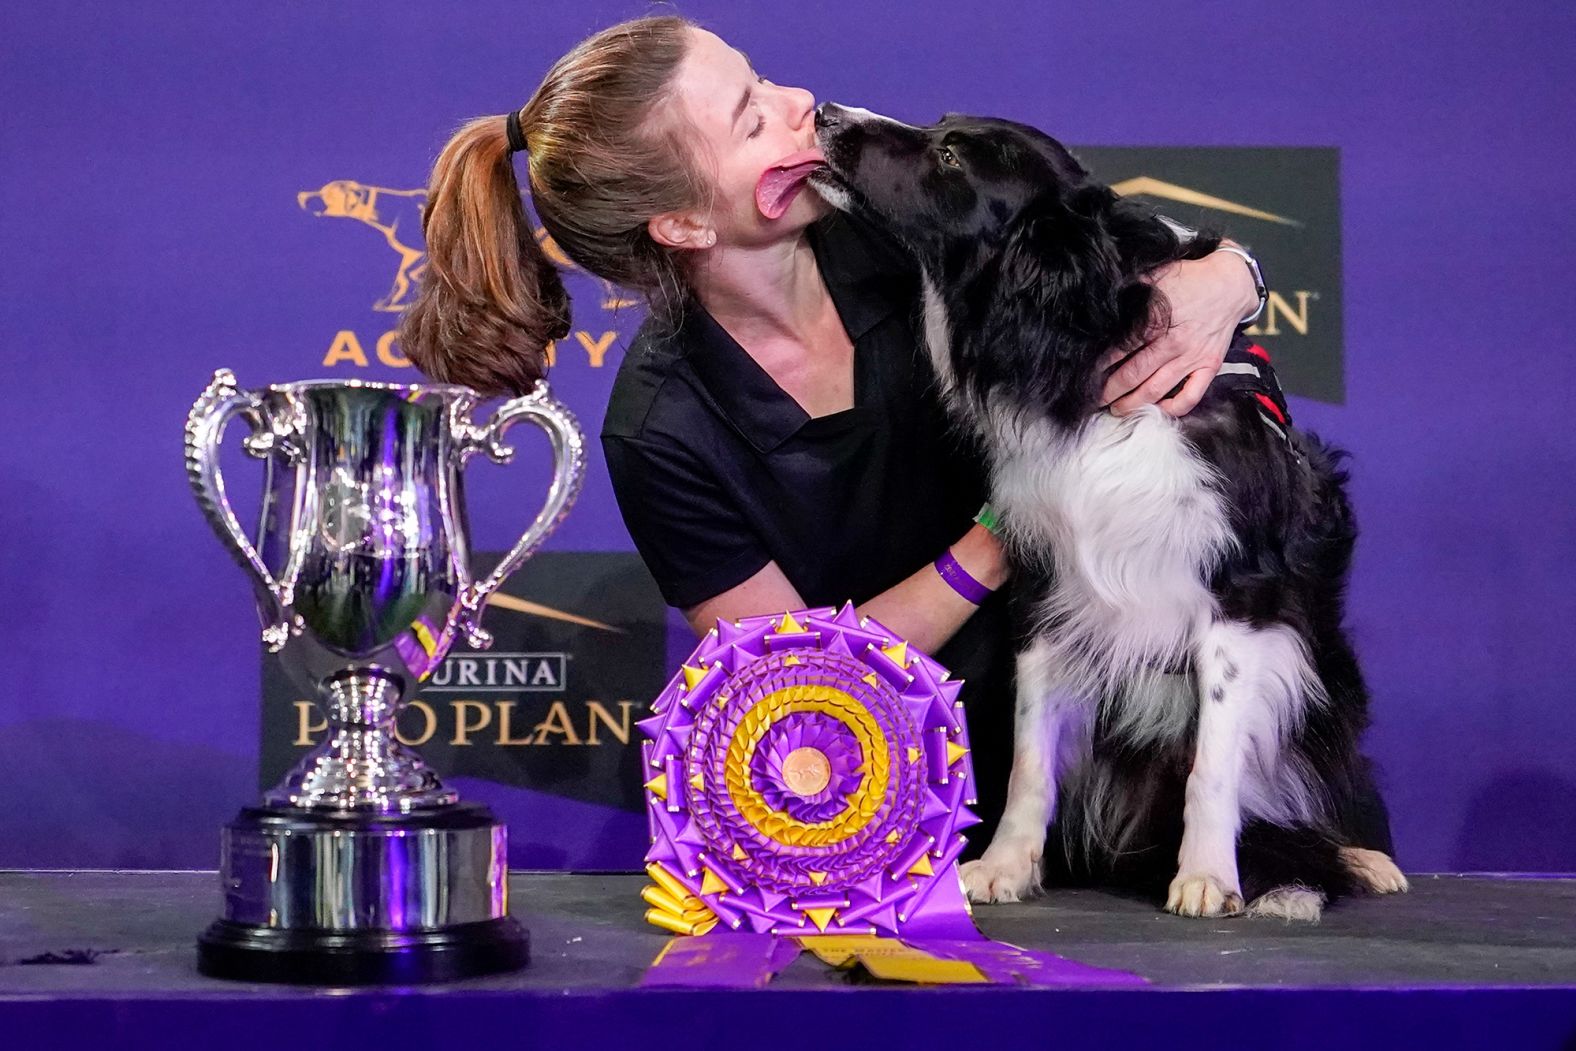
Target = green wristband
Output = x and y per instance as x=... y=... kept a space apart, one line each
x=989 y=518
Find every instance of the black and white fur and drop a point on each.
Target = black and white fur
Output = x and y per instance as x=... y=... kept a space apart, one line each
x=1186 y=694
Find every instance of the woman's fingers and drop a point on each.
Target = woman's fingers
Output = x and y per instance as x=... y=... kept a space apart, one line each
x=1157 y=386
x=1204 y=310
x=1132 y=373
x=1111 y=359
x=1188 y=397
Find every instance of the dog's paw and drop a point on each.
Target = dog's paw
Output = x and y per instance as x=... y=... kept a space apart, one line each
x=1375 y=870
x=1007 y=874
x=1199 y=894
x=1292 y=904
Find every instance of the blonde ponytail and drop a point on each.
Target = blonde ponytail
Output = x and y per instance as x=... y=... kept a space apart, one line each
x=490 y=300
x=606 y=152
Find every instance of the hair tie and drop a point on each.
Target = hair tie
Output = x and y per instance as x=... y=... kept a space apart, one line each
x=511 y=125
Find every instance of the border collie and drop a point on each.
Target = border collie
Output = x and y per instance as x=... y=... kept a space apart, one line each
x=1188 y=706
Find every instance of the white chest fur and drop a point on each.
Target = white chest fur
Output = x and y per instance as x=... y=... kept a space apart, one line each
x=938 y=341
x=1134 y=524
x=1126 y=510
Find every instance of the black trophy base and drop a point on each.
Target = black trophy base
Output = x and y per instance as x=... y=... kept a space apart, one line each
x=349 y=898
x=250 y=953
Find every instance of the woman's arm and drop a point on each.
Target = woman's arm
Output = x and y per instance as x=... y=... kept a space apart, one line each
x=924 y=609
x=1209 y=297
x=768 y=591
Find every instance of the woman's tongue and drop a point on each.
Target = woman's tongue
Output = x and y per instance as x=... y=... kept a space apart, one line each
x=781 y=183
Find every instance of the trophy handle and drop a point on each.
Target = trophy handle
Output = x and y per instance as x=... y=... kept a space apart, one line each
x=542 y=409
x=205 y=425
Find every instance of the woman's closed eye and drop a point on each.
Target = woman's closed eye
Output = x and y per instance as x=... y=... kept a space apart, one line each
x=761 y=121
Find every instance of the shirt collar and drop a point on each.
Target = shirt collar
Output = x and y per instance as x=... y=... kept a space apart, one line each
x=860 y=272
x=865 y=288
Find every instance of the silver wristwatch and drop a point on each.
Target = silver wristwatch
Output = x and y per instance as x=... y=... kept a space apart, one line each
x=1258 y=280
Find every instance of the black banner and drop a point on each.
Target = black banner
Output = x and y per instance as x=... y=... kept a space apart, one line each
x=578 y=654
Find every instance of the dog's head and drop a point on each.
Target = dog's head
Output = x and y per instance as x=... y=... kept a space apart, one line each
x=340 y=199
x=961 y=181
x=1038 y=267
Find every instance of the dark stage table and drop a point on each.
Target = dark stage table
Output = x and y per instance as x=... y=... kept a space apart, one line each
x=1461 y=962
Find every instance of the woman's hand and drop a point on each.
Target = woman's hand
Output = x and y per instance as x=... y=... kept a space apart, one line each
x=1208 y=298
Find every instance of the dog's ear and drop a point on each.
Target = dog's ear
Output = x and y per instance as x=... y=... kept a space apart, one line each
x=1061 y=258
x=1060 y=300
x=1068 y=170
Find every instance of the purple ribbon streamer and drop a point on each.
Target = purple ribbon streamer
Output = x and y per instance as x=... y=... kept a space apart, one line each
x=726 y=960
x=1006 y=964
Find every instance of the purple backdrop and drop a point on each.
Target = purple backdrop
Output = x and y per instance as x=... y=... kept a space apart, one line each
x=153 y=161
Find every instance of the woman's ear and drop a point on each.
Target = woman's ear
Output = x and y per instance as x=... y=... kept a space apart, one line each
x=681 y=230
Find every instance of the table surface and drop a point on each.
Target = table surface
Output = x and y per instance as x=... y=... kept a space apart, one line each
x=588 y=933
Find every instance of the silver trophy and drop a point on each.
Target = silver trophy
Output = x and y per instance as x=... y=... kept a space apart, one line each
x=361 y=866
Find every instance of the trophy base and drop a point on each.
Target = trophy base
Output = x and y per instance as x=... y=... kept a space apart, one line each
x=261 y=954
x=350 y=897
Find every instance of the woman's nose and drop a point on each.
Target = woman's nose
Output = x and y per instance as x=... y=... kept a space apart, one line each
x=801 y=106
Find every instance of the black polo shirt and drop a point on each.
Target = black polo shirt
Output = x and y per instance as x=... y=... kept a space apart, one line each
x=718 y=471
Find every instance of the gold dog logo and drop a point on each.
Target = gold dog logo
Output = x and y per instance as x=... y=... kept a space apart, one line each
x=395 y=214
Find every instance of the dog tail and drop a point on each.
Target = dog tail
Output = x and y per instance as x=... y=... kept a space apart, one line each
x=1270 y=857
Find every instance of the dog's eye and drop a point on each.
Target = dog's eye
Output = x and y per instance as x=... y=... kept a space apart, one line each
x=947 y=157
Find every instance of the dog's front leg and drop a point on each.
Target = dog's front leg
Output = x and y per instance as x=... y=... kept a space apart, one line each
x=1045 y=720
x=1206 y=883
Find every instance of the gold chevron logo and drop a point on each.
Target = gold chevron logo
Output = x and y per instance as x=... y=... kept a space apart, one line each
x=1150 y=187
x=536 y=609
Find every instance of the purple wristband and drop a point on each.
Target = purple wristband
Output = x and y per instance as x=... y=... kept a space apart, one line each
x=959 y=580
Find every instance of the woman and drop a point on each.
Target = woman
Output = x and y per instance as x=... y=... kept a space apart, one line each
x=771 y=436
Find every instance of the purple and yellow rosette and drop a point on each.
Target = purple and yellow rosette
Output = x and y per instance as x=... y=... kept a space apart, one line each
x=808 y=783
x=806 y=774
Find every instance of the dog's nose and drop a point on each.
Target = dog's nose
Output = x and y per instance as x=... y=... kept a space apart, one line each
x=827 y=115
